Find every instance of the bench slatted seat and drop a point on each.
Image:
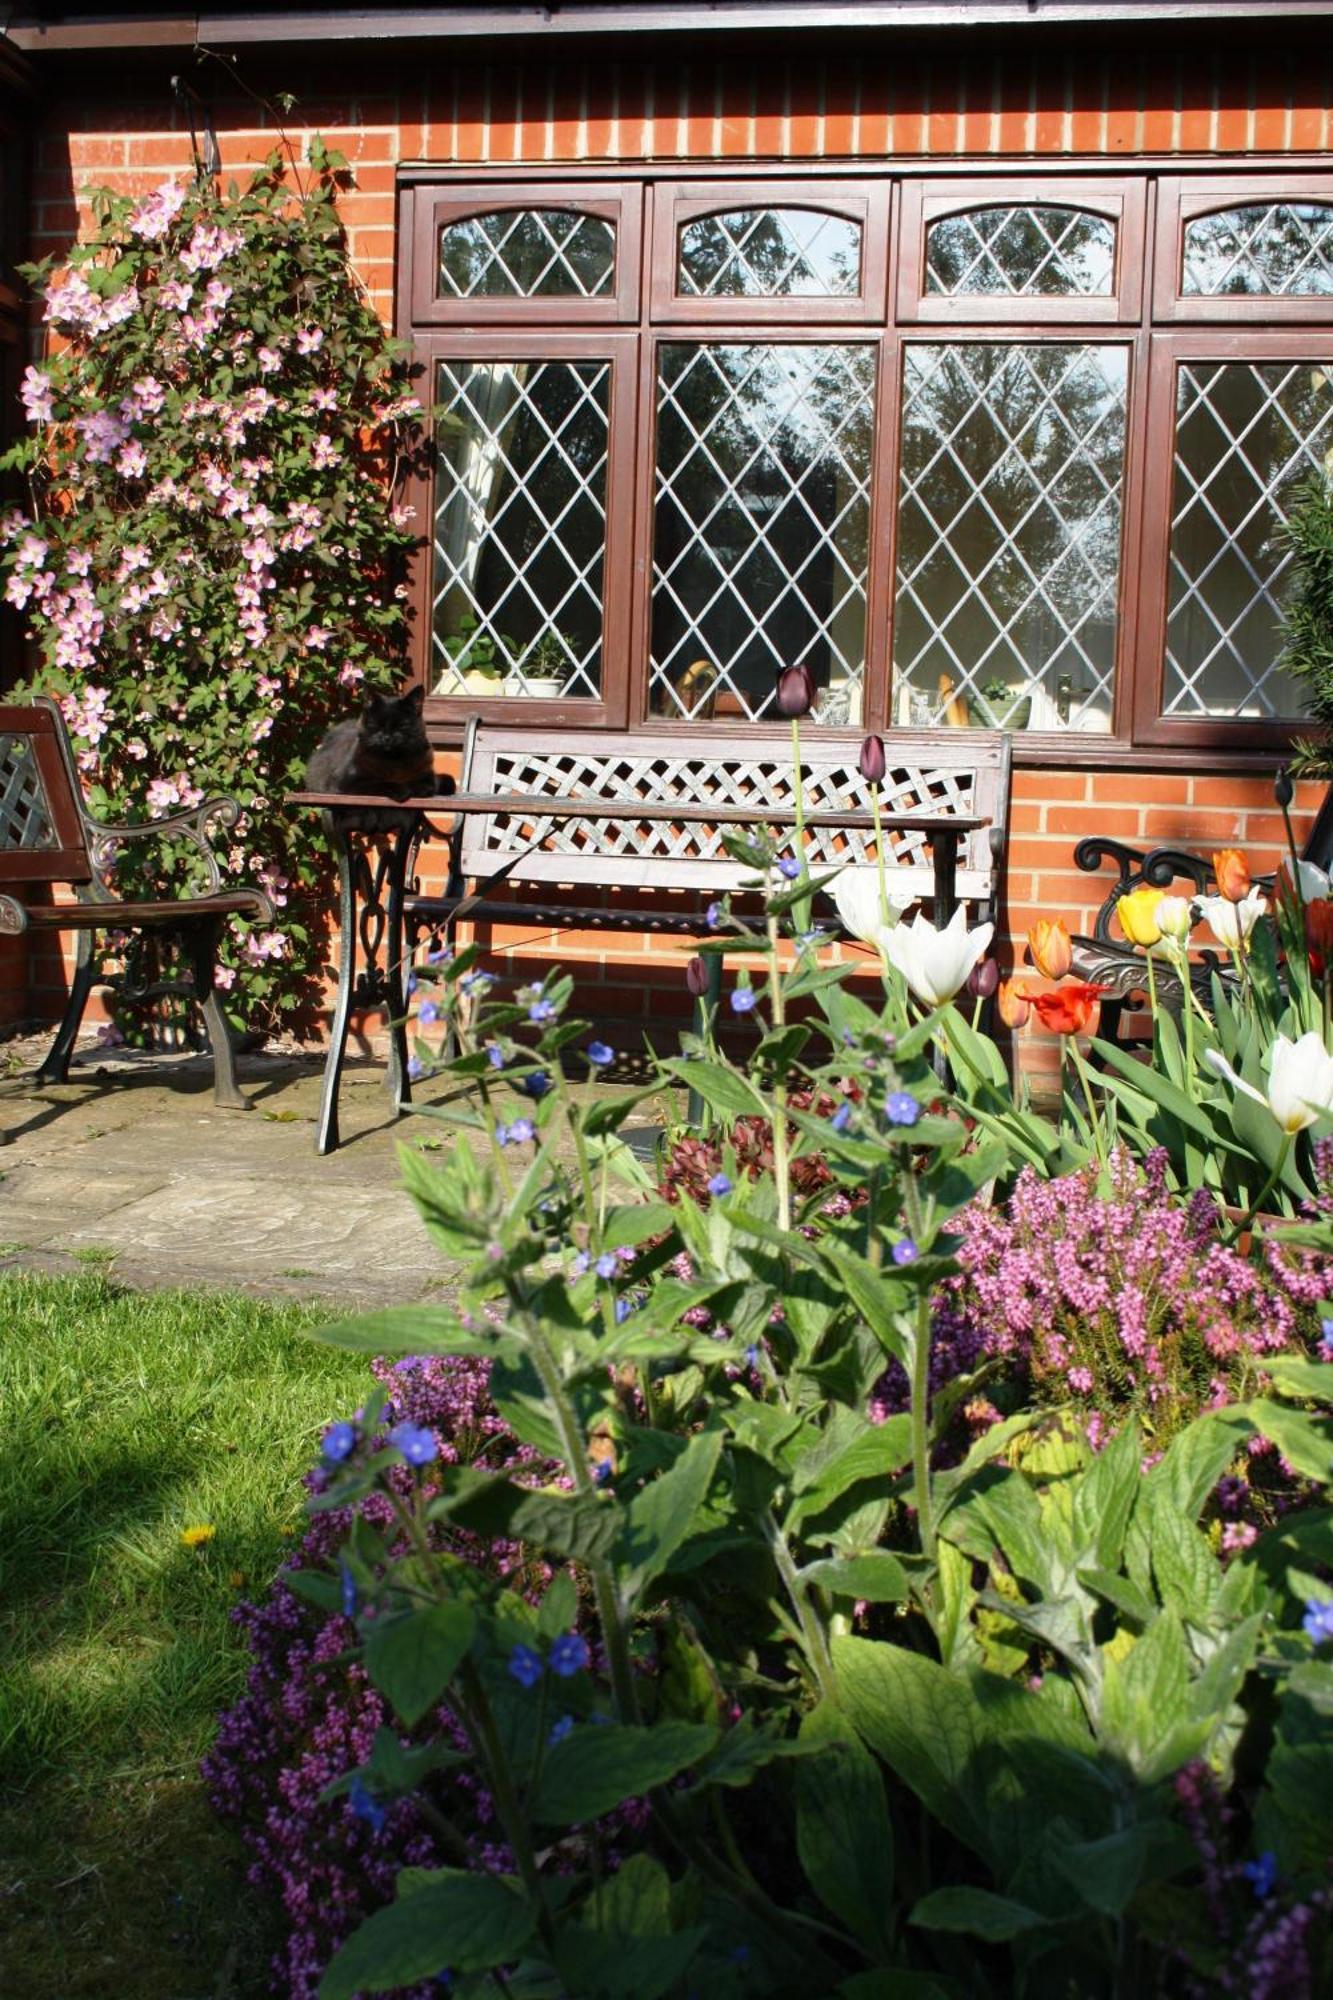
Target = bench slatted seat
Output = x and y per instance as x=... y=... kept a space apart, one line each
x=48 y=837
x=542 y=820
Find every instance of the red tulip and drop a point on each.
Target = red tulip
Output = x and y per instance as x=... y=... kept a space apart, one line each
x=796 y=691
x=1069 y=1009
x=872 y=762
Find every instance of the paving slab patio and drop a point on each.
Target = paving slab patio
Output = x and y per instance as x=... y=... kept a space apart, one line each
x=130 y=1163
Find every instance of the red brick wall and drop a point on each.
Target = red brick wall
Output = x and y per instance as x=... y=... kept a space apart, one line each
x=980 y=104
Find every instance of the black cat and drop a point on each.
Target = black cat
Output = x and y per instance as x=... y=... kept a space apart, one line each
x=385 y=751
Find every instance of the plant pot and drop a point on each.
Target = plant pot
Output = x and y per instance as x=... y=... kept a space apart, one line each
x=534 y=687
x=1012 y=712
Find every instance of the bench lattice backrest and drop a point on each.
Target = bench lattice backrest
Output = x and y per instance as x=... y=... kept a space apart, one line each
x=935 y=773
x=42 y=836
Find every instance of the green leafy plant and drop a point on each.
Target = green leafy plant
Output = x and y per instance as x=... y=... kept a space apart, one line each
x=212 y=561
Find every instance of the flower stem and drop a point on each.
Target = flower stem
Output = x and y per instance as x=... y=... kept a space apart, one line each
x=801 y=911
x=1288 y=1140
x=812 y=1629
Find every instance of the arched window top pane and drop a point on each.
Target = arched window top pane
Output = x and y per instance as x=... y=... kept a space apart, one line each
x=770 y=253
x=1021 y=252
x=527 y=253
x=1267 y=249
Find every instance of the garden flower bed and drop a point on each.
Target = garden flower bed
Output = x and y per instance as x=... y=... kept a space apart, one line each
x=890 y=1555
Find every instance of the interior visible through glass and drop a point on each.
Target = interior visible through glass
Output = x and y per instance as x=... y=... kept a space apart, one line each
x=520 y=527
x=1009 y=531
x=760 y=535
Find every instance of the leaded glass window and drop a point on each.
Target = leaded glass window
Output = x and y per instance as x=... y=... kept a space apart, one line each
x=1039 y=251
x=1009 y=532
x=760 y=540
x=527 y=253
x=1266 y=249
x=520 y=527
x=770 y=253
x=1247 y=434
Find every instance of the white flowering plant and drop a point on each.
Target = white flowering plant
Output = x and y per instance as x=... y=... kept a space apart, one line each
x=212 y=562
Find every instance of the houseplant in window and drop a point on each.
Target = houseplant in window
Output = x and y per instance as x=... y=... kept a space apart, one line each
x=211 y=563
x=998 y=705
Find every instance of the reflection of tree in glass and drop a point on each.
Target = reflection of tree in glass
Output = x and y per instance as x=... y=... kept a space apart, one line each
x=1010 y=515
x=1040 y=251
x=761 y=527
x=770 y=253
x=527 y=253
x=1263 y=250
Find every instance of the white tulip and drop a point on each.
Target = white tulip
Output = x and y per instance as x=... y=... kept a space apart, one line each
x=934 y=963
x=856 y=894
x=1231 y=923
x=1300 y=1081
x=1315 y=886
x=1174 y=917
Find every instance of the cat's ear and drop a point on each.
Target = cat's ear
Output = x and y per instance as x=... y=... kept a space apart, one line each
x=416 y=697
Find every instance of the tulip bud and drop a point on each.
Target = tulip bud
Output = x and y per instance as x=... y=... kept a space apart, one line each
x=1049 y=948
x=796 y=691
x=1231 y=871
x=1138 y=916
x=1012 y=1004
x=873 y=762
x=983 y=979
x=1283 y=789
x=696 y=977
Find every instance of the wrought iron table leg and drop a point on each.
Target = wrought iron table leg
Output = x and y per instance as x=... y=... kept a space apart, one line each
x=326 y=1135
x=399 y=1081
x=55 y=1066
x=201 y=945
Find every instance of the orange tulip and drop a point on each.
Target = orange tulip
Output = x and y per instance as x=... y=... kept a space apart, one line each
x=1049 y=948
x=1012 y=1004
x=1069 y=1009
x=1231 y=871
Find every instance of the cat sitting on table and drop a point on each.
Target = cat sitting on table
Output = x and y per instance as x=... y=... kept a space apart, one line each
x=384 y=751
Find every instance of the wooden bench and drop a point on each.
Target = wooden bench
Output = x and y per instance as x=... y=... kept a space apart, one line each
x=47 y=836
x=1111 y=962
x=543 y=817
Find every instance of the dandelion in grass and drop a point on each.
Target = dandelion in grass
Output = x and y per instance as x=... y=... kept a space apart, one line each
x=195 y=1537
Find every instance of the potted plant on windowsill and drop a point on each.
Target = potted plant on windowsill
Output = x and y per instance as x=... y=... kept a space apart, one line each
x=478 y=658
x=997 y=705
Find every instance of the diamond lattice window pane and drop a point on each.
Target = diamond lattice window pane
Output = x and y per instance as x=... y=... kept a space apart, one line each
x=760 y=537
x=1247 y=434
x=1030 y=252
x=520 y=527
x=1009 y=519
x=1268 y=249
x=527 y=253
x=25 y=811
x=770 y=253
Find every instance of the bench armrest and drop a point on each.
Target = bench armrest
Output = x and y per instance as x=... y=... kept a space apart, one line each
x=191 y=825
x=1138 y=868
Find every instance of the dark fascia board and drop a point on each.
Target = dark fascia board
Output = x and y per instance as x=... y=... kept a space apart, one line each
x=55 y=30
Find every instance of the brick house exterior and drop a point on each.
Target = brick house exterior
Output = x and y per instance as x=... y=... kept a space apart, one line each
x=1147 y=115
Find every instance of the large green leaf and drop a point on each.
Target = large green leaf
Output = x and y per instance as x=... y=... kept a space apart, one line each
x=1304 y=1439
x=924 y=1723
x=412 y=1659
x=596 y=1766
x=843 y=1834
x=413 y=1330
x=623 y=1947
x=874 y=1452
x=454 y=1919
x=722 y=1089
x=877 y=1576
x=660 y=1517
x=1104 y=1498
x=976 y=1912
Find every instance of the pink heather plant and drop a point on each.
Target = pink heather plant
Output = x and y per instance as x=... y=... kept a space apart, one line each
x=212 y=561
x=1115 y=1301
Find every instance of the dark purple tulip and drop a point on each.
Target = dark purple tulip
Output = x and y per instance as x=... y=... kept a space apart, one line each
x=983 y=979
x=796 y=691
x=696 y=977
x=873 y=762
x=1283 y=789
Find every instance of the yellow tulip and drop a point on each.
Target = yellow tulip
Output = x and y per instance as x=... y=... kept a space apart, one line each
x=1138 y=916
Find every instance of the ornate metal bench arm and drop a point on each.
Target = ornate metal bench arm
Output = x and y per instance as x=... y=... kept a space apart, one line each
x=1153 y=868
x=193 y=826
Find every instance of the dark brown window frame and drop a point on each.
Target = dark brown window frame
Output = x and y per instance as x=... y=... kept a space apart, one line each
x=616 y=203
x=676 y=203
x=1160 y=197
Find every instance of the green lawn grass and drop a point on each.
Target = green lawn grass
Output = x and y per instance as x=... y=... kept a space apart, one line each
x=126 y=1418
